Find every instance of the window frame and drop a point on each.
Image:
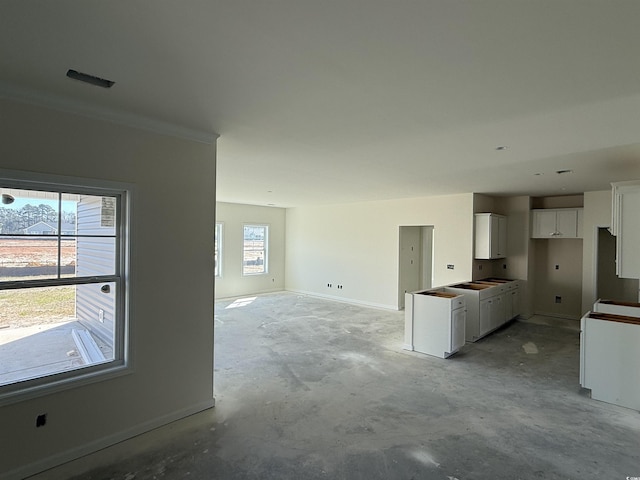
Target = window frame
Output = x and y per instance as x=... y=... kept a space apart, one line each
x=122 y=363
x=266 y=249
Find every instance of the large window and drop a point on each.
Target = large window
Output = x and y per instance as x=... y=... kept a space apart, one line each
x=217 y=250
x=62 y=283
x=254 y=257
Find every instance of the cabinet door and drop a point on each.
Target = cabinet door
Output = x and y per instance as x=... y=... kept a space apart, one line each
x=567 y=224
x=498 y=311
x=486 y=307
x=544 y=224
x=515 y=303
x=508 y=306
x=457 y=329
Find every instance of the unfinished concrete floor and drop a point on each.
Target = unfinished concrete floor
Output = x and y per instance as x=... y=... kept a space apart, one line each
x=314 y=389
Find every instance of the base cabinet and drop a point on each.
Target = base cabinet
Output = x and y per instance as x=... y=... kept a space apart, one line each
x=609 y=357
x=435 y=322
x=489 y=305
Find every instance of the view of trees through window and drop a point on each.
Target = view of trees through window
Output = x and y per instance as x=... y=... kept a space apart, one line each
x=16 y=221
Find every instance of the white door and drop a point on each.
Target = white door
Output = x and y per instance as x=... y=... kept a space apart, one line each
x=409 y=262
x=415 y=267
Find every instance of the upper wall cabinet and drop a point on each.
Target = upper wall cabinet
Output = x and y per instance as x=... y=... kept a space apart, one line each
x=557 y=223
x=625 y=225
x=491 y=236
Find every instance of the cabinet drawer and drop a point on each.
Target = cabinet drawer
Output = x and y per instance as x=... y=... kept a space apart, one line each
x=457 y=303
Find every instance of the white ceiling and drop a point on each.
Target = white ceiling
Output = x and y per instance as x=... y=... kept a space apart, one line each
x=337 y=101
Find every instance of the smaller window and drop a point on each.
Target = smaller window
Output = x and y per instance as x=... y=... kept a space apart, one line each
x=217 y=250
x=254 y=257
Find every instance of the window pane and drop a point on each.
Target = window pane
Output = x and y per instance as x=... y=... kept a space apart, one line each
x=95 y=256
x=96 y=309
x=28 y=212
x=29 y=257
x=96 y=215
x=41 y=335
x=254 y=256
x=69 y=214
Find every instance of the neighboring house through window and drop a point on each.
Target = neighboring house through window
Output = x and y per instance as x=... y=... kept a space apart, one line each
x=255 y=249
x=63 y=268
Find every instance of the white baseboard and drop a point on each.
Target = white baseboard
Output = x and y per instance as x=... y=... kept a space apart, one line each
x=98 y=444
x=345 y=300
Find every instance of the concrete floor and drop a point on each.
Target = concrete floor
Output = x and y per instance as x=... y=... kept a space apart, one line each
x=313 y=389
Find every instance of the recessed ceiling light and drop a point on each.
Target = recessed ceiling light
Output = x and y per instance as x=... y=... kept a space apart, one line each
x=501 y=147
x=560 y=172
x=90 y=79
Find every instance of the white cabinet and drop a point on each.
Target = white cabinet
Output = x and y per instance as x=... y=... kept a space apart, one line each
x=512 y=303
x=434 y=322
x=625 y=225
x=557 y=223
x=609 y=357
x=491 y=236
x=490 y=303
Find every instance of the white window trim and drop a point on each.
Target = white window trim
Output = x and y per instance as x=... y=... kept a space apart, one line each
x=122 y=365
x=266 y=249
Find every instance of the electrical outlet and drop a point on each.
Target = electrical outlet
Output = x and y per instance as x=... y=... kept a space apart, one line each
x=449 y=266
x=101 y=315
x=41 y=420
x=558 y=299
x=557 y=267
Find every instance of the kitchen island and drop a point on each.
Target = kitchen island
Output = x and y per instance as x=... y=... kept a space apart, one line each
x=491 y=303
x=610 y=353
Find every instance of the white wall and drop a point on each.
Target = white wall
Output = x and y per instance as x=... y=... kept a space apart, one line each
x=597 y=213
x=171 y=284
x=233 y=216
x=356 y=245
x=519 y=247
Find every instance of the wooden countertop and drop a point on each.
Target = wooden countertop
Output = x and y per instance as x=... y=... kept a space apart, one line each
x=610 y=317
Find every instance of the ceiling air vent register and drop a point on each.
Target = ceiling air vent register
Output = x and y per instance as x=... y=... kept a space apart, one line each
x=90 y=79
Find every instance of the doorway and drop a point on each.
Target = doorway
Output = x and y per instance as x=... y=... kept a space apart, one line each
x=608 y=285
x=415 y=270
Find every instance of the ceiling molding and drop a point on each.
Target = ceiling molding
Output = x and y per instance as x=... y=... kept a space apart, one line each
x=127 y=119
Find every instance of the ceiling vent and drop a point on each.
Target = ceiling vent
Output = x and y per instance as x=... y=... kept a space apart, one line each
x=90 y=79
